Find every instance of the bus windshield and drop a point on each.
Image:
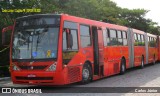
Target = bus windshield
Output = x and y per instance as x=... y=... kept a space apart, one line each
x=35 y=39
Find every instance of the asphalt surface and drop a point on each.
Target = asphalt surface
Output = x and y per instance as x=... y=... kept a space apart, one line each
x=135 y=77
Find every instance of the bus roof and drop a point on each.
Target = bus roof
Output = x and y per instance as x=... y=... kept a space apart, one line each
x=138 y=31
x=38 y=15
x=151 y=35
x=86 y=22
x=93 y=22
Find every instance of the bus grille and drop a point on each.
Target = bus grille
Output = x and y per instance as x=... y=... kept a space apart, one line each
x=33 y=78
x=73 y=74
x=32 y=67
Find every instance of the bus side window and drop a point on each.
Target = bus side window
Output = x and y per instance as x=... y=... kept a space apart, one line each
x=113 y=38
x=148 y=41
x=70 y=44
x=156 y=40
x=85 y=36
x=135 y=39
x=125 y=42
x=143 y=39
x=67 y=39
x=70 y=36
x=70 y=40
x=105 y=37
x=120 y=40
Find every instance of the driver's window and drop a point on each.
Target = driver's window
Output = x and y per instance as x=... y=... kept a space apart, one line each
x=70 y=41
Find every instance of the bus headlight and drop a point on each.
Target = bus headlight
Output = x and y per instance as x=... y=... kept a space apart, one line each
x=15 y=68
x=52 y=67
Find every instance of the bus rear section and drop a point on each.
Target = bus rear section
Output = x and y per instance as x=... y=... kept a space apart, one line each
x=152 y=48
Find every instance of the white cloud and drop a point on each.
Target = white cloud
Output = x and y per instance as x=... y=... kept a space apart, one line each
x=152 y=5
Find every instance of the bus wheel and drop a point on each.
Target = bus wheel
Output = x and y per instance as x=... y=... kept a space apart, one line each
x=123 y=66
x=86 y=74
x=154 y=60
x=142 y=63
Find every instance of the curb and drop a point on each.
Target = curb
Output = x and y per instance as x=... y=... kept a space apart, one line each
x=4 y=78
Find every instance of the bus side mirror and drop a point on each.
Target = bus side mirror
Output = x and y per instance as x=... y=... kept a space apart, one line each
x=6 y=35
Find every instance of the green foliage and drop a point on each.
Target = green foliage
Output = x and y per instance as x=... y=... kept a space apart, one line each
x=139 y=43
x=101 y=10
x=153 y=29
x=152 y=43
x=135 y=19
x=4 y=71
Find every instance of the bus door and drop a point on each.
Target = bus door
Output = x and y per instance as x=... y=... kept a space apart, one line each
x=98 y=50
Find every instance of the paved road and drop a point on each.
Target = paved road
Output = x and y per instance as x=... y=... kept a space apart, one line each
x=147 y=77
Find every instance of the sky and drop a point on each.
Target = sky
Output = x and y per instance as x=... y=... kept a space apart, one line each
x=152 y=5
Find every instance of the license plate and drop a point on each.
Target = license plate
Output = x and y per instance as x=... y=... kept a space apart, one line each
x=31 y=75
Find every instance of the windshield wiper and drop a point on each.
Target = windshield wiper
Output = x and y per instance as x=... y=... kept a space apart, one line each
x=28 y=39
x=40 y=32
x=32 y=47
x=28 y=42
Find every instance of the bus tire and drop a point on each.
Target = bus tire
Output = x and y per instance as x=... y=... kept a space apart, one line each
x=154 y=60
x=142 y=63
x=123 y=66
x=86 y=74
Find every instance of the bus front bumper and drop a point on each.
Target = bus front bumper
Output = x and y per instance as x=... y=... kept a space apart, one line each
x=37 y=78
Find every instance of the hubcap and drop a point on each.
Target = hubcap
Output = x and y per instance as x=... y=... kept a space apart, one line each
x=85 y=74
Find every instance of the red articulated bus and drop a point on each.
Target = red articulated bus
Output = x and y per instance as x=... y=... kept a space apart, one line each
x=49 y=49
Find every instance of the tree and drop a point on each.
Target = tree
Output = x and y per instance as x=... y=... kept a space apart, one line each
x=100 y=10
x=136 y=19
